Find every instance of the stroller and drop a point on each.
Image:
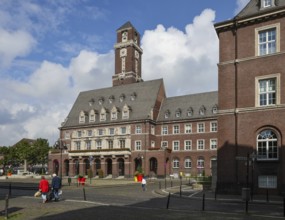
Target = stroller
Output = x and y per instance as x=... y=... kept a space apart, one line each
x=50 y=196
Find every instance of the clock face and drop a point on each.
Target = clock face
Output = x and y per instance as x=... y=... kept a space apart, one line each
x=124 y=36
x=123 y=52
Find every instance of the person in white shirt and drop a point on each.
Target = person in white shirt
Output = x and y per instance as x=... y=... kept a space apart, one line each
x=143 y=184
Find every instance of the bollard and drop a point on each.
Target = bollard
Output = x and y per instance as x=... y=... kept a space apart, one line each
x=159 y=185
x=6 y=206
x=203 y=202
x=180 y=190
x=168 y=200
x=215 y=194
x=171 y=183
x=10 y=189
x=246 y=206
x=84 y=195
x=69 y=181
x=267 y=196
x=165 y=184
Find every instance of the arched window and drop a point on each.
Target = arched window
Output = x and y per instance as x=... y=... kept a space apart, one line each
x=187 y=163
x=175 y=163
x=267 y=148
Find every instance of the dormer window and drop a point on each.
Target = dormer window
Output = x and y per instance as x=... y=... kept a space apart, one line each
x=91 y=102
x=111 y=99
x=178 y=113
x=126 y=112
x=101 y=101
x=103 y=114
x=202 y=110
x=167 y=114
x=215 y=109
x=267 y=3
x=122 y=97
x=92 y=116
x=114 y=113
x=82 y=117
x=190 y=112
x=133 y=96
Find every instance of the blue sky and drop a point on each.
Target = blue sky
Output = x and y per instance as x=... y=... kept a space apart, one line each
x=50 y=50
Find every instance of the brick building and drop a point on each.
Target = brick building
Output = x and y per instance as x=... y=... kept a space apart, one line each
x=251 y=98
x=133 y=124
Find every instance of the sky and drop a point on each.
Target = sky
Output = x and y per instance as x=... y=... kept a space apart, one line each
x=51 y=50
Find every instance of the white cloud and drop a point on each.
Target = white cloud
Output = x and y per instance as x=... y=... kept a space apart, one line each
x=14 y=44
x=240 y=5
x=186 y=60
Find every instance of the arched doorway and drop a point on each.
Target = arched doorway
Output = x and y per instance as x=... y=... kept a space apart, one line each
x=109 y=166
x=138 y=163
x=153 y=165
x=66 y=168
x=55 y=166
x=86 y=166
x=121 y=167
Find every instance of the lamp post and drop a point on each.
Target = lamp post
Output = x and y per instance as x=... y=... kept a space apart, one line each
x=253 y=157
x=59 y=144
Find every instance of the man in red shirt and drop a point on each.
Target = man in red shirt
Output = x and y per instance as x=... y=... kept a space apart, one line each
x=44 y=188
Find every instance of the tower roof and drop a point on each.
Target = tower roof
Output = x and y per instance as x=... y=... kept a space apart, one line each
x=127 y=25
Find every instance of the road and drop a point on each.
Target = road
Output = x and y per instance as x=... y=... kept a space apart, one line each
x=128 y=201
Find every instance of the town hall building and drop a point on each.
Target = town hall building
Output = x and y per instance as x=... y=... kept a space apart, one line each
x=133 y=125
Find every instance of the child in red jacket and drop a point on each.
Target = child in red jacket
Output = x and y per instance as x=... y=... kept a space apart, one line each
x=44 y=188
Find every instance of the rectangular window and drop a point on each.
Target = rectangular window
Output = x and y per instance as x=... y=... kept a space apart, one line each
x=123 y=130
x=187 y=145
x=152 y=144
x=113 y=115
x=78 y=143
x=164 y=144
x=100 y=132
x=79 y=134
x=175 y=145
x=268 y=182
x=175 y=163
x=89 y=133
x=138 y=129
x=164 y=130
x=92 y=118
x=99 y=144
x=138 y=145
x=111 y=131
x=67 y=135
x=122 y=143
x=125 y=114
x=267 y=3
x=103 y=117
x=110 y=143
x=88 y=145
x=213 y=144
x=214 y=126
x=152 y=130
x=201 y=128
x=200 y=144
x=188 y=128
x=267 y=92
x=267 y=39
x=176 y=129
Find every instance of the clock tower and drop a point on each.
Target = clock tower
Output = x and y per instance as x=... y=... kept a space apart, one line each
x=127 y=56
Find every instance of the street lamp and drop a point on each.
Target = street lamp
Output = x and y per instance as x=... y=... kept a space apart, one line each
x=59 y=144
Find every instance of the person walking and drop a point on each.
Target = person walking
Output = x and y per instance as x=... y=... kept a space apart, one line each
x=56 y=185
x=143 y=184
x=44 y=188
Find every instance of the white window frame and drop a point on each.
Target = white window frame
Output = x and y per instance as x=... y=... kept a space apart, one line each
x=268 y=141
x=164 y=144
x=188 y=145
x=188 y=128
x=152 y=130
x=200 y=144
x=175 y=163
x=138 y=129
x=78 y=145
x=111 y=131
x=100 y=131
x=176 y=129
x=213 y=144
x=164 y=130
x=214 y=126
x=88 y=145
x=277 y=40
x=188 y=163
x=200 y=127
x=99 y=144
x=79 y=134
x=122 y=143
x=138 y=145
x=176 y=145
x=110 y=144
x=201 y=163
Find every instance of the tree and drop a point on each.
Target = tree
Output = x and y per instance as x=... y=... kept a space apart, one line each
x=40 y=150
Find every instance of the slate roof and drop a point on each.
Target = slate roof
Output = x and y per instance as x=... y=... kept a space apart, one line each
x=184 y=103
x=253 y=8
x=145 y=97
x=127 y=25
